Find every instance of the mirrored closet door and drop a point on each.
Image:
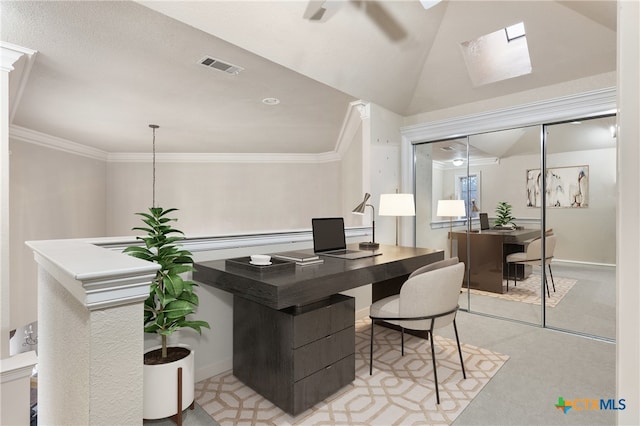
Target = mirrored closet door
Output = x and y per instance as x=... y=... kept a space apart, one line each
x=529 y=257
x=581 y=212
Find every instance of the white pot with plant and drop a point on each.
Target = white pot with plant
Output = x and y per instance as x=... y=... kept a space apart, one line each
x=171 y=300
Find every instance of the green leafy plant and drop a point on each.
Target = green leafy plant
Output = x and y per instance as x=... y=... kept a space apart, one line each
x=171 y=298
x=503 y=214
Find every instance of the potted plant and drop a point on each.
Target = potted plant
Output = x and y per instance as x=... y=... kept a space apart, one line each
x=504 y=218
x=171 y=299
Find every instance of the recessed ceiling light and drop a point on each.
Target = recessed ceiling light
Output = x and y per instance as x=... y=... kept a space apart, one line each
x=271 y=101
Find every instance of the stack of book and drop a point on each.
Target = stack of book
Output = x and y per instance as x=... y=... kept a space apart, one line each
x=301 y=258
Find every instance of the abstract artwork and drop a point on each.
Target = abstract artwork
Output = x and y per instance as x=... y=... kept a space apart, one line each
x=565 y=187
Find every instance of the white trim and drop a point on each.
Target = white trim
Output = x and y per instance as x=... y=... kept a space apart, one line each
x=42 y=139
x=552 y=110
x=581 y=105
x=99 y=275
x=17 y=367
x=9 y=55
x=580 y=262
x=356 y=112
x=223 y=242
x=96 y=277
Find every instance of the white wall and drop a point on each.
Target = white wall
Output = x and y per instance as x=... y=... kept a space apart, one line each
x=353 y=183
x=385 y=167
x=507 y=182
x=53 y=195
x=219 y=198
x=628 y=230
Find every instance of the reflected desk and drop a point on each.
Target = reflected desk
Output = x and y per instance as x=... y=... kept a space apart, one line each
x=293 y=334
x=488 y=252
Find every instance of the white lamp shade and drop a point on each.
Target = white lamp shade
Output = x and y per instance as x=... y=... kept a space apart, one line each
x=451 y=208
x=397 y=205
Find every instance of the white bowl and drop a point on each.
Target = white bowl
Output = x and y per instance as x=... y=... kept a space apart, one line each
x=260 y=259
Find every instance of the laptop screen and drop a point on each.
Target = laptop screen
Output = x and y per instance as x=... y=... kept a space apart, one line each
x=328 y=234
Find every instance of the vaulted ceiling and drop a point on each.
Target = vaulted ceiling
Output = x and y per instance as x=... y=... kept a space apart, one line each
x=105 y=70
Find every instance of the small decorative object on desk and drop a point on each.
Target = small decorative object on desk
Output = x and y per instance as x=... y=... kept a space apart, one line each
x=504 y=219
x=299 y=257
x=274 y=265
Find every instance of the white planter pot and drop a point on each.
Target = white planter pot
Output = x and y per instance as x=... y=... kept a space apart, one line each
x=161 y=386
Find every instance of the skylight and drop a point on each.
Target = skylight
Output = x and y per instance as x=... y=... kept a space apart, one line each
x=497 y=56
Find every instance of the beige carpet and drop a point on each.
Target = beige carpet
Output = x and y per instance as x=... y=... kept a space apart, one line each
x=528 y=291
x=400 y=391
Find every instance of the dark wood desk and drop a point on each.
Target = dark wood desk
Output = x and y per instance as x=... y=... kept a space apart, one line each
x=293 y=334
x=488 y=252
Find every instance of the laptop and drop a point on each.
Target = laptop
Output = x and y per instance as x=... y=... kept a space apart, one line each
x=329 y=239
x=484 y=221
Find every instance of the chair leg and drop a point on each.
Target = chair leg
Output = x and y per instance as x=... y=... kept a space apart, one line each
x=455 y=329
x=508 y=273
x=435 y=374
x=371 y=351
x=402 y=340
x=546 y=283
x=552 y=282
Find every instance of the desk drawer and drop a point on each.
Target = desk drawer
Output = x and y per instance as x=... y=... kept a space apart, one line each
x=322 y=319
x=323 y=352
x=323 y=383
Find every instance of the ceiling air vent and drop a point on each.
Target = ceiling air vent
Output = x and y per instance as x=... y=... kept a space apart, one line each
x=211 y=62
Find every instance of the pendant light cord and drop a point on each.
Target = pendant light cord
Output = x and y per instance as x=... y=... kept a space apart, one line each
x=153 y=183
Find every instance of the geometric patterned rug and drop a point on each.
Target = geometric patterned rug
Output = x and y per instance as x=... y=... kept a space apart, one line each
x=400 y=391
x=528 y=291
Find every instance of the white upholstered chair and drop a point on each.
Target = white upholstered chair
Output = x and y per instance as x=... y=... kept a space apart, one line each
x=533 y=256
x=428 y=300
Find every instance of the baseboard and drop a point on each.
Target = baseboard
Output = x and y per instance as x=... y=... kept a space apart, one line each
x=214 y=369
x=580 y=262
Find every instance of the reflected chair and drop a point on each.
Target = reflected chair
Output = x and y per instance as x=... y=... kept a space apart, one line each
x=532 y=256
x=428 y=300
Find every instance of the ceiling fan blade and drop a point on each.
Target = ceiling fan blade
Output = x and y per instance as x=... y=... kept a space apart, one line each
x=315 y=10
x=385 y=21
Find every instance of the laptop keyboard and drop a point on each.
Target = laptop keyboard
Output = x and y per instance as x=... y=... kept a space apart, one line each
x=343 y=251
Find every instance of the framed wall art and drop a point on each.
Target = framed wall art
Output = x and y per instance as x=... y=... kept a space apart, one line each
x=566 y=187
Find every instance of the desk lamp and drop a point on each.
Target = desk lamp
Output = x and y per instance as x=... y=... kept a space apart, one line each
x=397 y=205
x=372 y=245
x=474 y=210
x=451 y=208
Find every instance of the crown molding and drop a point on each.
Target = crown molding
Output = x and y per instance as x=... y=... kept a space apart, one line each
x=356 y=113
x=42 y=139
x=580 y=105
x=10 y=55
